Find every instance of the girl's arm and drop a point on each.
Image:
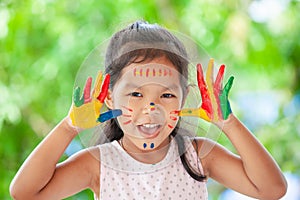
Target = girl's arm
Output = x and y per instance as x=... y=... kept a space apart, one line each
x=253 y=172
x=40 y=177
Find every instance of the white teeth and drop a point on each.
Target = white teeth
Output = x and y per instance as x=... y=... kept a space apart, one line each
x=150 y=125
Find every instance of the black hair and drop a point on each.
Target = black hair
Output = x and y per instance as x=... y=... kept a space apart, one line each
x=141 y=42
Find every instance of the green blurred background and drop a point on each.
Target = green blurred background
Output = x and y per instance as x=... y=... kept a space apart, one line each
x=44 y=42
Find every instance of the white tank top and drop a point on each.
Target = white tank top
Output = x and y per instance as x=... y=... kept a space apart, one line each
x=123 y=177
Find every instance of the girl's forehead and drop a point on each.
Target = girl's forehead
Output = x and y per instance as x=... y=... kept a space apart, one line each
x=141 y=74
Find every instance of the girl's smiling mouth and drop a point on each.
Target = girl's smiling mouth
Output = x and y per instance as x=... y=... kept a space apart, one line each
x=149 y=130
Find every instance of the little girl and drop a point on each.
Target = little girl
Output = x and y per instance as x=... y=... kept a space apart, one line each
x=147 y=154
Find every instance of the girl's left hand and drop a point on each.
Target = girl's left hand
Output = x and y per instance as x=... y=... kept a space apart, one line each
x=215 y=106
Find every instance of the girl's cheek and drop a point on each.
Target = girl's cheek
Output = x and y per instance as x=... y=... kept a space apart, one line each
x=120 y=102
x=171 y=106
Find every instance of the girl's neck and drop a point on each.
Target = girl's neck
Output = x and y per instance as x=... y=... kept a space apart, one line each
x=148 y=157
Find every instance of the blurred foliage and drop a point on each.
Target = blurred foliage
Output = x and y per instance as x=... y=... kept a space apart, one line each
x=43 y=43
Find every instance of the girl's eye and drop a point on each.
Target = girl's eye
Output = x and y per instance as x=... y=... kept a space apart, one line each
x=167 y=95
x=136 y=94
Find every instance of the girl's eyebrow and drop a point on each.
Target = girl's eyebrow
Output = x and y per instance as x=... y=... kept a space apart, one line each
x=131 y=85
x=171 y=87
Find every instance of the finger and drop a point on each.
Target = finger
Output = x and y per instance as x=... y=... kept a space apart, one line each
x=206 y=103
x=109 y=115
x=224 y=103
x=201 y=83
x=210 y=74
x=209 y=82
x=200 y=78
x=189 y=112
x=228 y=85
x=104 y=89
x=76 y=97
x=219 y=78
x=98 y=82
x=218 y=88
x=87 y=90
x=194 y=112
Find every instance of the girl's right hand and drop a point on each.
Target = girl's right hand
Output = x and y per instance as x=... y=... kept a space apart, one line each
x=85 y=110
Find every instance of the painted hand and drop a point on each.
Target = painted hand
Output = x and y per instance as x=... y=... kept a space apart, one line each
x=85 y=111
x=215 y=105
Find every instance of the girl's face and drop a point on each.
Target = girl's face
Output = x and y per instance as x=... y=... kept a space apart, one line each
x=149 y=94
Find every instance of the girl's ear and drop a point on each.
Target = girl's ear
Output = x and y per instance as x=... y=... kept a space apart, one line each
x=108 y=100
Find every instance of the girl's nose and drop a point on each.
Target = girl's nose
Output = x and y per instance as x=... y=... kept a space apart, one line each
x=150 y=108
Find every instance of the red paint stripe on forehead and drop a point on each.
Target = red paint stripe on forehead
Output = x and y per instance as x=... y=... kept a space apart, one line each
x=141 y=72
x=165 y=72
x=152 y=72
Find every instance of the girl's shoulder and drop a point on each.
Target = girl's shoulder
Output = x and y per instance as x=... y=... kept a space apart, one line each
x=88 y=154
x=202 y=145
x=87 y=159
x=205 y=146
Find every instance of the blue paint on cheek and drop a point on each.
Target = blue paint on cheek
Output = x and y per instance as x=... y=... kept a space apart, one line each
x=144 y=145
